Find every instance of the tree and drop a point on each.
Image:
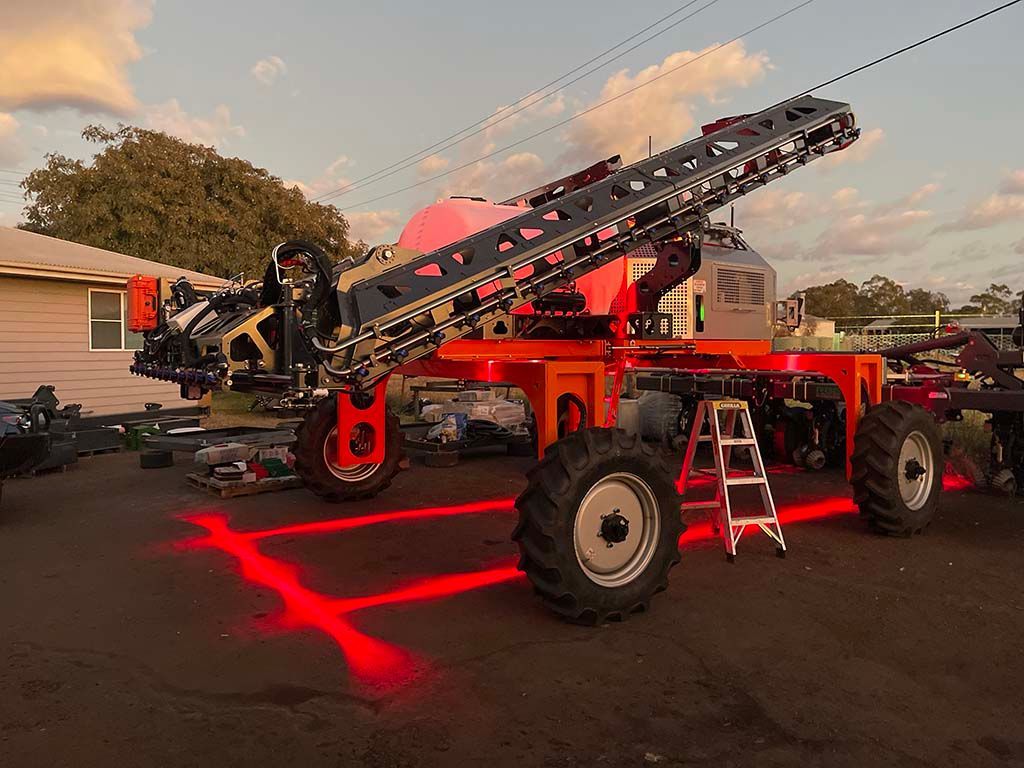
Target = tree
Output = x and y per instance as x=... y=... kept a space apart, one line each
x=921 y=301
x=997 y=300
x=837 y=299
x=151 y=195
x=883 y=296
x=878 y=296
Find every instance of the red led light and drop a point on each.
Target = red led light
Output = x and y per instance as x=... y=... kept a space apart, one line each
x=373 y=661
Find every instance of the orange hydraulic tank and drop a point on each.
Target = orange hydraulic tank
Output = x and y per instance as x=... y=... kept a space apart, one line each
x=143 y=303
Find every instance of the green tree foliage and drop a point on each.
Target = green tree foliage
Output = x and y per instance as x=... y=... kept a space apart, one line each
x=997 y=300
x=151 y=195
x=878 y=296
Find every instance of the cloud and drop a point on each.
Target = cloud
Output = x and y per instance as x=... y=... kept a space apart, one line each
x=431 y=165
x=1006 y=204
x=217 y=130
x=496 y=179
x=74 y=53
x=1018 y=247
x=857 y=153
x=922 y=193
x=1013 y=184
x=996 y=209
x=871 y=234
x=12 y=152
x=371 y=226
x=665 y=107
x=774 y=209
x=267 y=70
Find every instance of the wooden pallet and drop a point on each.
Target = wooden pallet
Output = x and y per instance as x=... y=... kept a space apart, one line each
x=228 y=489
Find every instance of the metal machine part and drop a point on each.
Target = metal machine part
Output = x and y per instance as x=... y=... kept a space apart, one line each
x=419 y=303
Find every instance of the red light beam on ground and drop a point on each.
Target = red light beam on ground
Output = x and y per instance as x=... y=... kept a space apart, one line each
x=371 y=660
x=348 y=523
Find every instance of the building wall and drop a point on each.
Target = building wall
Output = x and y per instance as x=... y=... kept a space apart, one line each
x=44 y=339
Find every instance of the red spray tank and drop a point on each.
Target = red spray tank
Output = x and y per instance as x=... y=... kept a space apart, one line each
x=449 y=220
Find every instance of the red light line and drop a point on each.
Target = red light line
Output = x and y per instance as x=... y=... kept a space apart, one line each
x=370 y=659
x=430 y=589
x=348 y=523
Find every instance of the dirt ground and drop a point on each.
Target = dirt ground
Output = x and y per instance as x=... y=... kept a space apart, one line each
x=127 y=642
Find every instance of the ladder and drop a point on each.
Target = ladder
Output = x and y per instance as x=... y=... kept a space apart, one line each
x=722 y=417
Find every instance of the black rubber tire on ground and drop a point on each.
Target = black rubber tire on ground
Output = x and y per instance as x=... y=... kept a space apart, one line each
x=548 y=509
x=312 y=465
x=156 y=459
x=880 y=438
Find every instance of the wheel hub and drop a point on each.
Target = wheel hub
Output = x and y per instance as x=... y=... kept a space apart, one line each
x=913 y=470
x=916 y=470
x=614 y=528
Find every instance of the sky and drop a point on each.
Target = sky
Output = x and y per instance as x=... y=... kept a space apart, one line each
x=325 y=93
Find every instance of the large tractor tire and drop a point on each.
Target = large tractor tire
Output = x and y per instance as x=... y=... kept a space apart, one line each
x=599 y=525
x=897 y=468
x=316 y=457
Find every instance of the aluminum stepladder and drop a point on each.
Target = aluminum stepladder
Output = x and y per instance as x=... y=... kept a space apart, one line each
x=723 y=438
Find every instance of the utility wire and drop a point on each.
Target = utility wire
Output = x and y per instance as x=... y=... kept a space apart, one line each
x=587 y=111
x=875 y=62
x=493 y=119
x=912 y=46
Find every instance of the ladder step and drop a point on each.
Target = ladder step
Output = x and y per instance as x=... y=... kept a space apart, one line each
x=700 y=505
x=745 y=481
x=737 y=441
x=754 y=520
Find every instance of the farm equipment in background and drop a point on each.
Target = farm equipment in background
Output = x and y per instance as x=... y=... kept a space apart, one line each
x=556 y=291
x=24 y=438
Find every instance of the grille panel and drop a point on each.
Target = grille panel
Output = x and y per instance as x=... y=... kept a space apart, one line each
x=740 y=288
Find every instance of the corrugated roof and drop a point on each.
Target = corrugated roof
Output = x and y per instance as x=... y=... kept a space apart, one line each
x=21 y=251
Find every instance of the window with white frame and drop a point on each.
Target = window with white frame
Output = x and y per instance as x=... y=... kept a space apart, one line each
x=108 y=330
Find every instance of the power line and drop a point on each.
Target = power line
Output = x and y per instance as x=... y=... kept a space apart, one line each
x=912 y=46
x=491 y=120
x=587 y=111
x=764 y=24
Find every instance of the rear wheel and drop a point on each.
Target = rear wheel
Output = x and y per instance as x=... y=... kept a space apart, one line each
x=316 y=452
x=599 y=525
x=897 y=468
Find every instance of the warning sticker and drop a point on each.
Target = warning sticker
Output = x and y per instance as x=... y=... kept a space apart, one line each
x=700 y=286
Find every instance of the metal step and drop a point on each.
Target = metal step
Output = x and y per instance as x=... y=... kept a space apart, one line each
x=755 y=520
x=713 y=504
x=737 y=441
x=745 y=481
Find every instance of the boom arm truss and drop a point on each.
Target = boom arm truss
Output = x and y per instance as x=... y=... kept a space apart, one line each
x=408 y=311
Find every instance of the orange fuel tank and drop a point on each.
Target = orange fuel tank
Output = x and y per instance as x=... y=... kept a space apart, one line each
x=143 y=303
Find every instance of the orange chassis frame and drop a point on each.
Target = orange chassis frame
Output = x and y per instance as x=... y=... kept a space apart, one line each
x=550 y=369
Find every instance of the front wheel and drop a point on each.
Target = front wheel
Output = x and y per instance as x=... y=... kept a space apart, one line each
x=599 y=525
x=316 y=454
x=897 y=468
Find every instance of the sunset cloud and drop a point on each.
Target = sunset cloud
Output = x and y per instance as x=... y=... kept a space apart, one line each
x=267 y=70
x=371 y=226
x=11 y=150
x=664 y=108
x=70 y=54
x=216 y=130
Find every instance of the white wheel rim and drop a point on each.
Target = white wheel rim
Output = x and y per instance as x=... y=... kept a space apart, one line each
x=627 y=496
x=352 y=473
x=915 y=485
